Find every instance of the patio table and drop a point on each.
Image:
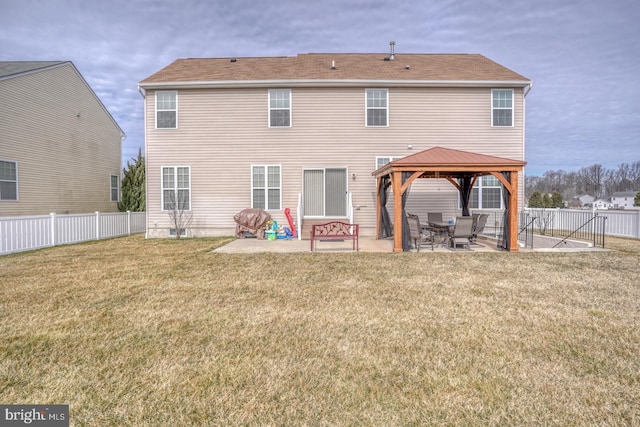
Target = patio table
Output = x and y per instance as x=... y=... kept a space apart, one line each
x=442 y=227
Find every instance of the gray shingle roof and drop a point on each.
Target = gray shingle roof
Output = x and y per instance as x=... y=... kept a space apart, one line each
x=625 y=194
x=14 y=68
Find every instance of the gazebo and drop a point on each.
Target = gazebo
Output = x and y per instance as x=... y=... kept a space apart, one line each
x=461 y=169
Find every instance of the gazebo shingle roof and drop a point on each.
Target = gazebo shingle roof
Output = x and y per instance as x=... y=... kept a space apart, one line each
x=439 y=156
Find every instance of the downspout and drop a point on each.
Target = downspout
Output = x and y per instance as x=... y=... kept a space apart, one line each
x=143 y=93
x=524 y=130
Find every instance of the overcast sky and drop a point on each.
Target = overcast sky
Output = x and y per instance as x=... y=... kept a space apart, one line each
x=583 y=56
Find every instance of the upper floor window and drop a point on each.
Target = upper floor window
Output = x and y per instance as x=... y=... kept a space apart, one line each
x=8 y=180
x=176 y=188
x=377 y=107
x=166 y=110
x=265 y=187
x=280 y=108
x=502 y=107
x=115 y=188
x=486 y=193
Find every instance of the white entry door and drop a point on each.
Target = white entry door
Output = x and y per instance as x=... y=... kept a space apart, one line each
x=325 y=192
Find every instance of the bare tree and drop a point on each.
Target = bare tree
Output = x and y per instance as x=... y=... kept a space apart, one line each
x=179 y=211
x=543 y=219
x=594 y=180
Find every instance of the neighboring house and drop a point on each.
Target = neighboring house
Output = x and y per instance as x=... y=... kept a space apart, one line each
x=306 y=133
x=586 y=199
x=583 y=201
x=60 y=149
x=602 y=204
x=624 y=200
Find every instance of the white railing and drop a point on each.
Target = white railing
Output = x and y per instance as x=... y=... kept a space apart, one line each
x=299 y=214
x=25 y=233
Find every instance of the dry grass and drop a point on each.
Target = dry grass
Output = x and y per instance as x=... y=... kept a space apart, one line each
x=164 y=332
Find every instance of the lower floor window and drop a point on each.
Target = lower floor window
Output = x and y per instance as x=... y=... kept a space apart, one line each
x=383 y=160
x=176 y=188
x=8 y=180
x=115 y=190
x=486 y=193
x=266 y=187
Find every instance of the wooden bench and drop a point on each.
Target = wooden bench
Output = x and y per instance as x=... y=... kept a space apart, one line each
x=335 y=231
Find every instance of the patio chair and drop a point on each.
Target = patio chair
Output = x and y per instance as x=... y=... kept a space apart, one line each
x=462 y=232
x=419 y=235
x=478 y=226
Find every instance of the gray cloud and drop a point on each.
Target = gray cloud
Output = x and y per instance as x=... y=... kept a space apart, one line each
x=583 y=56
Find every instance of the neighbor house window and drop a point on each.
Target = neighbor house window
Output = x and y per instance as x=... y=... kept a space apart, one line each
x=176 y=188
x=486 y=193
x=115 y=188
x=377 y=107
x=280 y=108
x=265 y=187
x=502 y=107
x=8 y=180
x=166 y=110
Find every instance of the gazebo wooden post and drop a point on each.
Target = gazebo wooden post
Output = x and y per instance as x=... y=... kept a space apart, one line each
x=511 y=187
x=513 y=213
x=396 y=182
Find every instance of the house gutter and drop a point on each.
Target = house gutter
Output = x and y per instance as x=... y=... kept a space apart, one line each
x=333 y=83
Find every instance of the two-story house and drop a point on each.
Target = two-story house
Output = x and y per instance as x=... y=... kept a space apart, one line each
x=60 y=149
x=624 y=200
x=306 y=133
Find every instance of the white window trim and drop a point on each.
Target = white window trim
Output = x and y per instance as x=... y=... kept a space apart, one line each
x=324 y=190
x=111 y=188
x=480 y=187
x=175 y=168
x=391 y=159
x=513 y=117
x=17 y=182
x=366 y=108
x=266 y=188
x=290 y=109
x=157 y=109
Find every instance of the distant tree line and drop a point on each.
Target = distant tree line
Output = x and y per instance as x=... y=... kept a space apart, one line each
x=594 y=180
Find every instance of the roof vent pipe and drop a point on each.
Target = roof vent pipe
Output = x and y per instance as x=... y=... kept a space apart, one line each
x=392 y=44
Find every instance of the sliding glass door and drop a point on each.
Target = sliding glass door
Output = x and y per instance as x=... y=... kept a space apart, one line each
x=325 y=192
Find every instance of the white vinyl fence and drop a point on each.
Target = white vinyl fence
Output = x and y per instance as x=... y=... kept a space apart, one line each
x=623 y=223
x=24 y=233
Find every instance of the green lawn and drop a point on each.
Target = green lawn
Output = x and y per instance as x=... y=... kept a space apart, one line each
x=165 y=333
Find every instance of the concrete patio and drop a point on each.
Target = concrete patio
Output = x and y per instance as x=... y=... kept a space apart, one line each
x=367 y=244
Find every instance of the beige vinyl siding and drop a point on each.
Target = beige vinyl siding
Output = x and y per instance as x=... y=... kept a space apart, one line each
x=222 y=132
x=66 y=145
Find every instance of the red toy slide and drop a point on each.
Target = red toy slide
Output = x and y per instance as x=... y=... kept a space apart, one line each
x=287 y=213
